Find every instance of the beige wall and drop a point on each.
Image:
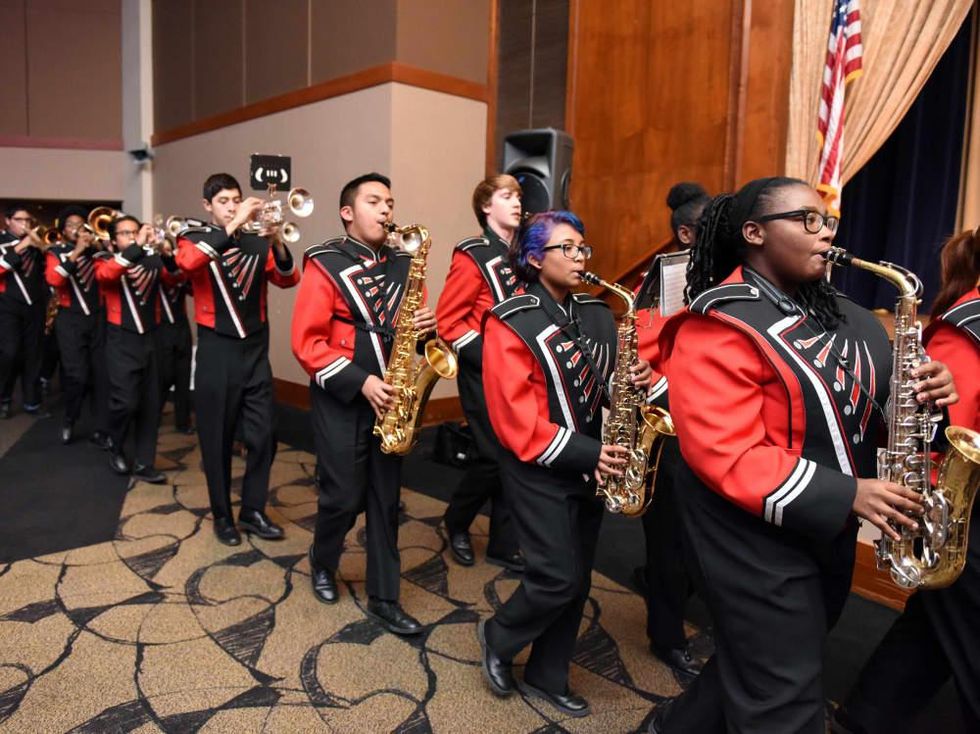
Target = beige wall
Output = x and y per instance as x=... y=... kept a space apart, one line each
x=431 y=144
x=52 y=173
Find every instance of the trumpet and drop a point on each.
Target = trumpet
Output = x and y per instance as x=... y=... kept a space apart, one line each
x=175 y=225
x=46 y=235
x=299 y=202
x=99 y=220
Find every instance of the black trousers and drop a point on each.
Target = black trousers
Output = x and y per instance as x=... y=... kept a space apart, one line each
x=21 y=338
x=174 y=356
x=232 y=382
x=482 y=478
x=134 y=391
x=773 y=597
x=81 y=342
x=668 y=583
x=937 y=637
x=558 y=519
x=355 y=476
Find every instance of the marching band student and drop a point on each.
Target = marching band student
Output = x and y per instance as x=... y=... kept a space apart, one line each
x=23 y=304
x=666 y=580
x=174 y=347
x=79 y=325
x=937 y=636
x=343 y=325
x=778 y=464
x=129 y=282
x=547 y=359
x=480 y=276
x=230 y=271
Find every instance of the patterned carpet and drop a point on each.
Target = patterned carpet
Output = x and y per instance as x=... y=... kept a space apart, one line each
x=165 y=629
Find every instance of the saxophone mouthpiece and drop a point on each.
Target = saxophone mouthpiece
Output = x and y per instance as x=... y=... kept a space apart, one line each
x=838 y=256
x=591 y=278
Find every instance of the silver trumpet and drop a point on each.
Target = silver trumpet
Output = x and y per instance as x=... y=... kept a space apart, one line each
x=299 y=202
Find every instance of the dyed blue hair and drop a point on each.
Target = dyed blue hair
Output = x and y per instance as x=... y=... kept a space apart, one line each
x=534 y=236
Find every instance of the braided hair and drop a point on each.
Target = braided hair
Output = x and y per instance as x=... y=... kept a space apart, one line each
x=720 y=247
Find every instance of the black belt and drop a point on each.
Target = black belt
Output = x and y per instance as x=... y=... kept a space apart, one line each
x=386 y=332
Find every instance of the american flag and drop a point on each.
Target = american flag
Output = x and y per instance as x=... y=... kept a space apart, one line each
x=843 y=65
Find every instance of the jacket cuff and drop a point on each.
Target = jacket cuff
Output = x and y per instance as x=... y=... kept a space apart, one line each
x=572 y=452
x=133 y=254
x=170 y=263
x=10 y=260
x=284 y=265
x=68 y=267
x=813 y=500
x=341 y=378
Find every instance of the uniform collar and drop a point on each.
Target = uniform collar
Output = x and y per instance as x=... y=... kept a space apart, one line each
x=363 y=251
x=493 y=237
x=566 y=310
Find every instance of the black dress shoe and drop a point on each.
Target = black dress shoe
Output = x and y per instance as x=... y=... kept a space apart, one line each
x=324 y=582
x=393 y=618
x=4 y=410
x=149 y=474
x=101 y=440
x=118 y=464
x=678 y=658
x=659 y=719
x=257 y=523
x=66 y=432
x=514 y=562
x=568 y=703
x=37 y=411
x=497 y=672
x=461 y=548
x=226 y=532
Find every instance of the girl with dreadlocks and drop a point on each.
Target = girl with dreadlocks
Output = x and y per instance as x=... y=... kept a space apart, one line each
x=547 y=356
x=777 y=388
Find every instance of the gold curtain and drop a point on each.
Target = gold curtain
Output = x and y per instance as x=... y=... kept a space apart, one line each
x=903 y=41
x=968 y=215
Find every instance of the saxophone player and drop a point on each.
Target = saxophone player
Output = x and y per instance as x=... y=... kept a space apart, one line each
x=777 y=389
x=547 y=358
x=341 y=335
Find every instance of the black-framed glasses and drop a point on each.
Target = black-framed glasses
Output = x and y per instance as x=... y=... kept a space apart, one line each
x=813 y=221
x=571 y=250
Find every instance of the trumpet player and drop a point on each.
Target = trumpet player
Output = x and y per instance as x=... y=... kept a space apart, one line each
x=23 y=303
x=480 y=276
x=80 y=324
x=548 y=356
x=130 y=282
x=342 y=332
x=229 y=271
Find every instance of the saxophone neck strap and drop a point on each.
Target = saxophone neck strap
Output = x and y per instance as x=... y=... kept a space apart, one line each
x=386 y=332
x=565 y=323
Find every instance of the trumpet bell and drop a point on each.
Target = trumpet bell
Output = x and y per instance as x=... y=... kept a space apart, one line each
x=51 y=236
x=290 y=233
x=300 y=202
x=99 y=220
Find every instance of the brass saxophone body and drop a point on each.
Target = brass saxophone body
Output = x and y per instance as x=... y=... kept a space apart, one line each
x=634 y=425
x=411 y=378
x=934 y=555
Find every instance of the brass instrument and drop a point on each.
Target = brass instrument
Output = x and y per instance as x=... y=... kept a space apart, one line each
x=99 y=220
x=411 y=378
x=175 y=225
x=298 y=201
x=632 y=424
x=934 y=555
x=47 y=236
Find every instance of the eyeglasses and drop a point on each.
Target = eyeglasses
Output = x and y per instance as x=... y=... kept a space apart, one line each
x=127 y=232
x=813 y=221
x=22 y=220
x=571 y=250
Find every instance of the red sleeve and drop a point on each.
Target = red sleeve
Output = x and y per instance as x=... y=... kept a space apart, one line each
x=517 y=401
x=649 y=324
x=282 y=273
x=325 y=357
x=717 y=378
x=456 y=303
x=961 y=354
x=111 y=269
x=190 y=257
x=54 y=273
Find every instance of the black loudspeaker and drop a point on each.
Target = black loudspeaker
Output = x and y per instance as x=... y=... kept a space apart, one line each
x=541 y=161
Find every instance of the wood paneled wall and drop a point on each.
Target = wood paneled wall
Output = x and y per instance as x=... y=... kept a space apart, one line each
x=665 y=92
x=62 y=73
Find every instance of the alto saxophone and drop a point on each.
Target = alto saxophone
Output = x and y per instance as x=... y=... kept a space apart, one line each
x=411 y=378
x=632 y=424
x=934 y=555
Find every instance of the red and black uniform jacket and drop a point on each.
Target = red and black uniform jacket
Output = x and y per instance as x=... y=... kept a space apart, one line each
x=345 y=314
x=954 y=339
x=773 y=412
x=479 y=278
x=649 y=324
x=546 y=369
x=173 y=300
x=74 y=282
x=230 y=276
x=21 y=275
x=130 y=281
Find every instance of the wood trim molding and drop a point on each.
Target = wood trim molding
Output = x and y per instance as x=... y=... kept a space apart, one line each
x=394 y=71
x=437 y=411
x=28 y=141
x=737 y=90
x=873 y=584
x=493 y=72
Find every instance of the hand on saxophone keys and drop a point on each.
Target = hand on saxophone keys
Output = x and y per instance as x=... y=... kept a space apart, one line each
x=424 y=320
x=886 y=504
x=611 y=458
x=641 y=374
x=937 y=387
x=379 y=394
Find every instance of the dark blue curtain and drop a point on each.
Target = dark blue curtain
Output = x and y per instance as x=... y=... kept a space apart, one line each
x=901 y=206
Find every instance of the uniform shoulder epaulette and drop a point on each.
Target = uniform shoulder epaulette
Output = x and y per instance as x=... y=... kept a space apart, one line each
x=102 y=255
x=514 y=304
x=401 y=253
x=471 y=242
x=713 y=297
x=963 y=314
x=585 y=298
x=198 y=232
x=323 y=248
